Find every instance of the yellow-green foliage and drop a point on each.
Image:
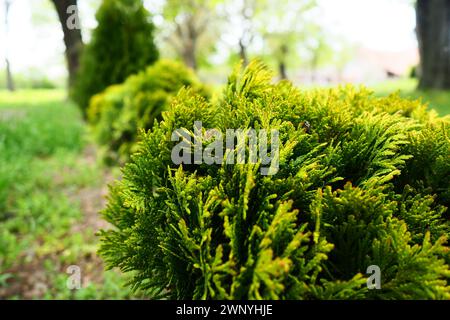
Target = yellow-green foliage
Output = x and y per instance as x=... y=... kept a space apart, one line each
x=121 y=110
x=366 y=184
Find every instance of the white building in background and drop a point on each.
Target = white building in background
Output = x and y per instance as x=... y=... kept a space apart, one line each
x=373 y=66
x=366 y=66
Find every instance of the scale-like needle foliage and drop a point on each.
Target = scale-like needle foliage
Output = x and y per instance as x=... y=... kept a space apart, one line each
x=362 y=181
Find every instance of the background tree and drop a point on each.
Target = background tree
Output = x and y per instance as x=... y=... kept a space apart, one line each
x=69 y=19
x=285 y=26
x=189 y=21
x=433 y=35
x=247 y=12
x=9 y=78
x=121 y=45
x=242 y=13
x=318 y=49
x=282 y=49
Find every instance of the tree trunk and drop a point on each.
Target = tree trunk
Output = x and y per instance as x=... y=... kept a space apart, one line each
x=189 y=53
x=72 y=36
x=9 y=78
x=282 y=70
x=243 y=53
x=433 y=35
x=247 y=14
x=282 y=62
x=188 y=36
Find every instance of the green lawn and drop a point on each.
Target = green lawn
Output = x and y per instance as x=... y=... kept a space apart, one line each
x=50 y=193
x=438 y=100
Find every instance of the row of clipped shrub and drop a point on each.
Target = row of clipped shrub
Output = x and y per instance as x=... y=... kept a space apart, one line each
x=366 y=183
x=117 y=114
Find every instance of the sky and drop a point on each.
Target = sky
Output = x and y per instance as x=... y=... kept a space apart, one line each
x=35 y=40
x=384 y=25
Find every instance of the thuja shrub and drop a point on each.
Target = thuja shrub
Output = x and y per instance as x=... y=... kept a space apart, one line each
x=118 y=113
x=122 y=44
x=362 y=183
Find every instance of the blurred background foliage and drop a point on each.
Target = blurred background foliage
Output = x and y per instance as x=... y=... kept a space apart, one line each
x=310 y=42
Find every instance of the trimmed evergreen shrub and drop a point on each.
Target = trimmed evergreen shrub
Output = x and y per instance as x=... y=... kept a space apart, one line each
x=122 y=44
x=362 y=181
x=121 y=110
